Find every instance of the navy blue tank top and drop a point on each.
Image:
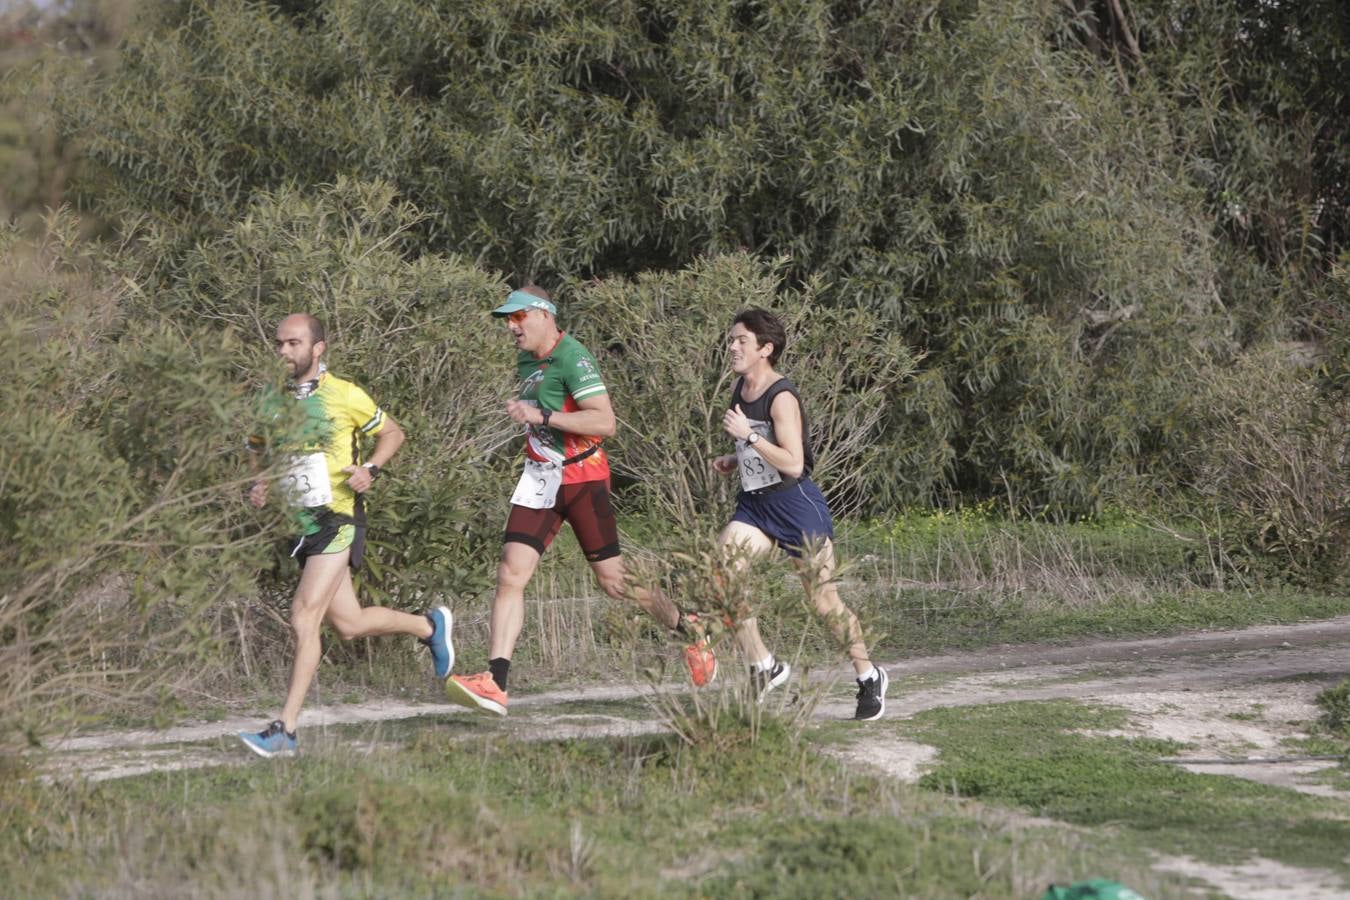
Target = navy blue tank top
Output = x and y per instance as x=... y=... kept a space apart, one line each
x=757 y=411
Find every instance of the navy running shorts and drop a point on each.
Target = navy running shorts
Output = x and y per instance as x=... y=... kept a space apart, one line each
x=790 y=516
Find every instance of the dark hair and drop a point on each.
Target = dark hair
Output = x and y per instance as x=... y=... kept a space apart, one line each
x=767 y=329
x=316 y=332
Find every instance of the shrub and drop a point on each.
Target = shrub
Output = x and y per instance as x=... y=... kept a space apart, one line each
x=666 y=364
x=414 y=331
x=117 y=539
x=1335 y=705
x=1271 y=462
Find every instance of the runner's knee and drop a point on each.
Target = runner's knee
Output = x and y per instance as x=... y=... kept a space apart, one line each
x=304 y=625
x=827 y=602
x=513 y=574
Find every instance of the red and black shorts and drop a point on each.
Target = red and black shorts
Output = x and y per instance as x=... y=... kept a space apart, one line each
x=585 y=506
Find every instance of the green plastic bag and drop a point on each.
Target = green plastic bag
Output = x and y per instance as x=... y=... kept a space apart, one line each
x=1094 y=889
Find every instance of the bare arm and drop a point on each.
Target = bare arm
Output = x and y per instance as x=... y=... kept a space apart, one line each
x=596 y=416
x=787 y=455
x=387 y=443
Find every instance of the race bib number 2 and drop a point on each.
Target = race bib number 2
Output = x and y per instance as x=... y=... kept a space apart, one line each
x=538 y=485
x=306 y=481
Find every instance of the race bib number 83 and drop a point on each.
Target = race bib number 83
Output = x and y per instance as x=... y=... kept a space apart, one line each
x=755 y=472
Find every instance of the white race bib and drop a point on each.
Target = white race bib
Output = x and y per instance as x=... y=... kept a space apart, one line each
x=756 y=473
x=538 y=485
x=306 y=481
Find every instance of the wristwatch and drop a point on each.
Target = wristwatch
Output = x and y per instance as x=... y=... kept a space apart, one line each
x=546 y=413
x=374 y=470
x=752 y=437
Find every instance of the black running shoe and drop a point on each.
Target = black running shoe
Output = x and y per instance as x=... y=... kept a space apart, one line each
x=872 y=697
x=767 y=681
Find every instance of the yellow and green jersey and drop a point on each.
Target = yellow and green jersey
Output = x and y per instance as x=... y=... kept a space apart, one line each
x=337 y=414
x=566 y=375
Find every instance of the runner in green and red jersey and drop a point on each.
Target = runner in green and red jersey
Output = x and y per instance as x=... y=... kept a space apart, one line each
x=565 y=409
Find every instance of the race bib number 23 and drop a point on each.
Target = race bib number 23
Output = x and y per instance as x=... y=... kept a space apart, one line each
x=306 y=481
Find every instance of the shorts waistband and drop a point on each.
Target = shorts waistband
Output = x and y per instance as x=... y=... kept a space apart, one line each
x=773 y=488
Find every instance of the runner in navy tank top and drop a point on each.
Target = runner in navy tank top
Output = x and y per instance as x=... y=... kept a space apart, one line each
x=779 y=505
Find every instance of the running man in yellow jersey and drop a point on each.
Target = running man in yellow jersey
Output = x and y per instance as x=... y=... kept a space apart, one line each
x=324 y=485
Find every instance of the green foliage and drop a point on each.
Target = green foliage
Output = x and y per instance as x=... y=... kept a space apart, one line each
x=1037 y=756
x=120 y=495
x=1335 y=705
x=44 y=48
x=667 y=369
x=971 y=175
x=423 y=807
x=414 y=332
x=1270 y=463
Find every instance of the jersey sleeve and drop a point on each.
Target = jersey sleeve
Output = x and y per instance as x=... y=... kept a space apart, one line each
x=582 y=377
x=366 y=417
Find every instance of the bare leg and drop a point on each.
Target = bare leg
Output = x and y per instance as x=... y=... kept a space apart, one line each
x=350 y=620
x=614 y=582
x=746 y=539
x=319 y=582
x=508 y=605
x=820 y=587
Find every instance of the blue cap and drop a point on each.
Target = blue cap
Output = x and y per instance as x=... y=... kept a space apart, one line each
x=518 y=300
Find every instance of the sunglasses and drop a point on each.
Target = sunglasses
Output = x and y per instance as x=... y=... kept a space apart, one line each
x=518 y=316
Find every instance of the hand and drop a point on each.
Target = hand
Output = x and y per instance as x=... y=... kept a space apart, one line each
x=724 y=465
x=257 y=495
x=524 y=413
x=736 y=424
x=359 y=478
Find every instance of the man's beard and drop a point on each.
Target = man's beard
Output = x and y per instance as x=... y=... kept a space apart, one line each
x=301 y=366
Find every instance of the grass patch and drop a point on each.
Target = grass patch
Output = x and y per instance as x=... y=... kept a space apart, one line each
x=433 y=811
x=941 y=581
x=1031 y=756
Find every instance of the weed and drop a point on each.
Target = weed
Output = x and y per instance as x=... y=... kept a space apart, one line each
x=1335 y=705
x=1031 y=755
x=484 y=813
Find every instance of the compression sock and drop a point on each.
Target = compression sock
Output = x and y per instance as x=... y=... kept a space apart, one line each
x=499 y=667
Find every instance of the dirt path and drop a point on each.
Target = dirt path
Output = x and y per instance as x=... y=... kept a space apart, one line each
x=1229 y=694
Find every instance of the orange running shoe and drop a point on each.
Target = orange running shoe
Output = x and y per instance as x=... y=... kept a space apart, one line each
x=701 y=662
x=699 y=658
x=478 y=692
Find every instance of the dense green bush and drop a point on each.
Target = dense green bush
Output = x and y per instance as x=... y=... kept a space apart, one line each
x=667 y=367
x=414 y=332
x=121 y=497
x=973 y=175
x=1271 y=463
x=1073 y=212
